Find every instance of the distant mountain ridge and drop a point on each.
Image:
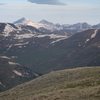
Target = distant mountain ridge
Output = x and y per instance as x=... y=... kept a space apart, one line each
x=54 y=27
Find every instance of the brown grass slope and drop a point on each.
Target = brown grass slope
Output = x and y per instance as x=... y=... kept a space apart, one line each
x=69 y=84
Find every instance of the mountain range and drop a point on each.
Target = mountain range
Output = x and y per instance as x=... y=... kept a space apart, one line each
x=30 y=49
x=69 y=84
x=44 y=24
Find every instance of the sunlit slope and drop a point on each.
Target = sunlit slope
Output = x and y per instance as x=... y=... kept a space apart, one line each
x=69 y=84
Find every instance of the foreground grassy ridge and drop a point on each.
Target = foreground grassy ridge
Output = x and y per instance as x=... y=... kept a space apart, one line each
x=70 y=84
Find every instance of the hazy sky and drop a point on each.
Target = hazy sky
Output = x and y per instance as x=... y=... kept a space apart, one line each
x=58 y=11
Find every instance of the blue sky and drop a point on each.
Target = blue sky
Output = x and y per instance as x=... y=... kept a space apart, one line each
x=57 y=11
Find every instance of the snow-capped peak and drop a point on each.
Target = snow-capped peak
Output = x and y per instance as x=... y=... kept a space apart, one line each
x=50 y=26
x=42 y=24
x=24 y=21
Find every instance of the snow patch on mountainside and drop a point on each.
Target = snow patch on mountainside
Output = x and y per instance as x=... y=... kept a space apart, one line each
x=20 y=44
x=36 y=74
x=22 y=36
x=52 y=36
x=58 y=40
x=41 y=36
x=87 y=40
x=10 y=46
x=8 y=29
x=17 y=72
x=2 y=84
x=13 y=63
x=94 y=34
x=4 y=57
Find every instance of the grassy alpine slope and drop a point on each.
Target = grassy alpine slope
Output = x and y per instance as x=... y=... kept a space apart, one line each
x=69 y=84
